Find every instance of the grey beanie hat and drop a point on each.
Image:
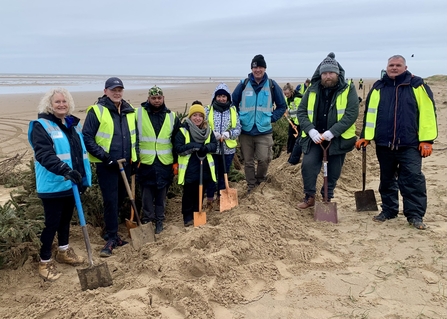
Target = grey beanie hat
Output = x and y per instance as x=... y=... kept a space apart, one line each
x=329 y=64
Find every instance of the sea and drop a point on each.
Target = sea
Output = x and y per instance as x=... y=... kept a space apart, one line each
x=41 y=83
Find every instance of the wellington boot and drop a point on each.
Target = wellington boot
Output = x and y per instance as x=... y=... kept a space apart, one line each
x=48 y=271
x=308 y=201
x=69 y=257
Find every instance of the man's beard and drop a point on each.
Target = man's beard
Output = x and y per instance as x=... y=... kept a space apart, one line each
x=328 y=83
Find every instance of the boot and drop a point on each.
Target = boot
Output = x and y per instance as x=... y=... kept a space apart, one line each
x=69 y=257
x=308 y=201
x=48 y=271
x=158 y=226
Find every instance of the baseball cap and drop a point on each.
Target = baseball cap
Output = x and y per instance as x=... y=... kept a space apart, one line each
x=114 y=82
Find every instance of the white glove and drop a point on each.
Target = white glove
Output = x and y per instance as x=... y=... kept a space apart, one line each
x=217 y=135
x=327 y=135
x=315 y=136
x=226 y=135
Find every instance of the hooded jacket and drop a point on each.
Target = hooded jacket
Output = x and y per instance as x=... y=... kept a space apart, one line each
x=338 y=145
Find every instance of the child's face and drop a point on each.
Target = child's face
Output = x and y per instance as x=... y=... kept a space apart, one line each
x=197 y=118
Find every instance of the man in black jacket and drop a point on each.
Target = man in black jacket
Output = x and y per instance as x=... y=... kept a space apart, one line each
x=109 y=135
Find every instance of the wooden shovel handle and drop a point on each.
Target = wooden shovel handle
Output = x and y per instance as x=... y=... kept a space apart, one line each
x=132 y=187
x=129 y=192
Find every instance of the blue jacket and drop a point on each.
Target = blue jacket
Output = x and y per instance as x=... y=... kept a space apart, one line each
x=58 y=148
x=397 y=123
x=277 y=99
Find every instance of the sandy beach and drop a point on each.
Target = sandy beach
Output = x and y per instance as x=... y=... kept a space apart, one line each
x=262 y=259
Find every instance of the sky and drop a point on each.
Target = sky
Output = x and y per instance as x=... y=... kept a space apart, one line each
x=220 y=38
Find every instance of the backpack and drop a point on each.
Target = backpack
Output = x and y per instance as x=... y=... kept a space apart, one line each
x=272 y=86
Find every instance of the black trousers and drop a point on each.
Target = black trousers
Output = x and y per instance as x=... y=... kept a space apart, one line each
x=154 y=203
x=400 y=170
x=190 y=199
x=58 y=214
x=113 y=194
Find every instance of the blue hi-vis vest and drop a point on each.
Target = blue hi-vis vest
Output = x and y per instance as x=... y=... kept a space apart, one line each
x=47 y=182
x=256 y=108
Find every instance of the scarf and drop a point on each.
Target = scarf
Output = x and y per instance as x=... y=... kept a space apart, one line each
x=198 y=134
x=221 y=107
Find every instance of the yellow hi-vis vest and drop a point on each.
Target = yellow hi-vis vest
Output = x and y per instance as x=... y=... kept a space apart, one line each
x=152 y=145
x=233 y=118
x=293 y=109
x=105 y=131
x=340 y=104
x=427 y=131
x=184 y=159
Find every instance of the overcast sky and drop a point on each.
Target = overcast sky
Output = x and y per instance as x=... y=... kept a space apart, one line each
x=219 y=38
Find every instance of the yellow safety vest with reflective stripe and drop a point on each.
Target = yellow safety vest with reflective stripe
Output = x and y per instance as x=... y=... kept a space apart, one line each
x=340 y=104
x=427 y=130
x=184 y=159
x=233 y=119
x=293 y=109
x=104 y=134
x=152 y=145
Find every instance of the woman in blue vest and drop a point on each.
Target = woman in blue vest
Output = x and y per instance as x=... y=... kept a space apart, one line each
x=60 y=159
x=224 y=122
x=193 y=141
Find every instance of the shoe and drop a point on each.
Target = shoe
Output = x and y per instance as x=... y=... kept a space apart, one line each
x=189 y=223
x=48 y=271
x=107 y=250
x=418 y=224
x=158 y=226
x=120 y=242
x=308 y=201
x=69 y=257
x=382 y=217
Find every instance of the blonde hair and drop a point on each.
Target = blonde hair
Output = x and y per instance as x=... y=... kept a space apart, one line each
x=45 y=104
x=289 y=87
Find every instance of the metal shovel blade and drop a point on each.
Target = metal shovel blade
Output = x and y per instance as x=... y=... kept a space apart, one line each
x=95 y=276
x=365 y=201
x=141 y=235
x=326 y=212
x=228 y=199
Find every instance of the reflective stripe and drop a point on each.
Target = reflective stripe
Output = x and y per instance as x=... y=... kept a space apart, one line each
x=64 y=157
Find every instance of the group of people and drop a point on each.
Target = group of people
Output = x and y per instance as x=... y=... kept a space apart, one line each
x=400 y=117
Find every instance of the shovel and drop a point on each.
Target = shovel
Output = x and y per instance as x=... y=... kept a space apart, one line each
x=325 y=211
x=93 y=276
x=141 y=234
x=228 y=197
x=365 y=199
x=129 y=222
x=200 y=217
x=292 y=124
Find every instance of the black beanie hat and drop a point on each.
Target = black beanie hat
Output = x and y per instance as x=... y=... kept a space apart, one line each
x=258 y=60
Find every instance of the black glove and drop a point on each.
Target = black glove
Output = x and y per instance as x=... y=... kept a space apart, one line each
x=134 y=168
x=73 y=176
x=202 y=151
x=110 y=162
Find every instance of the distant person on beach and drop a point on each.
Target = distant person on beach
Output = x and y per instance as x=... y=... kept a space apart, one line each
x=360 y=84
x=110 y=134
x=327 y=116
x=223 y=120
x=293 y=99
x=254 y=98
x=59 y=161
x=301 y=88
x=400 y=116
x=157 y=127
x=194 y=142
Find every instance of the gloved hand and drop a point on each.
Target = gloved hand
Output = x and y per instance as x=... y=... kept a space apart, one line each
x=73 y=176
x=361 y=142
x=425 y=148
x=315 y=136
x=327 y=135
x=226 y=135
x=134 y=168
x=217 y=135
x=202 y=151
x=175 y=168
x=193 y=145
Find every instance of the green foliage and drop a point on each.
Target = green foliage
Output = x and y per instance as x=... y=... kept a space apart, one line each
x=280 y=133
x=182 y=116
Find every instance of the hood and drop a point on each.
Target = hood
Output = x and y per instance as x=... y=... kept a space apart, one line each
x=223 y=88
x=316 y=77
